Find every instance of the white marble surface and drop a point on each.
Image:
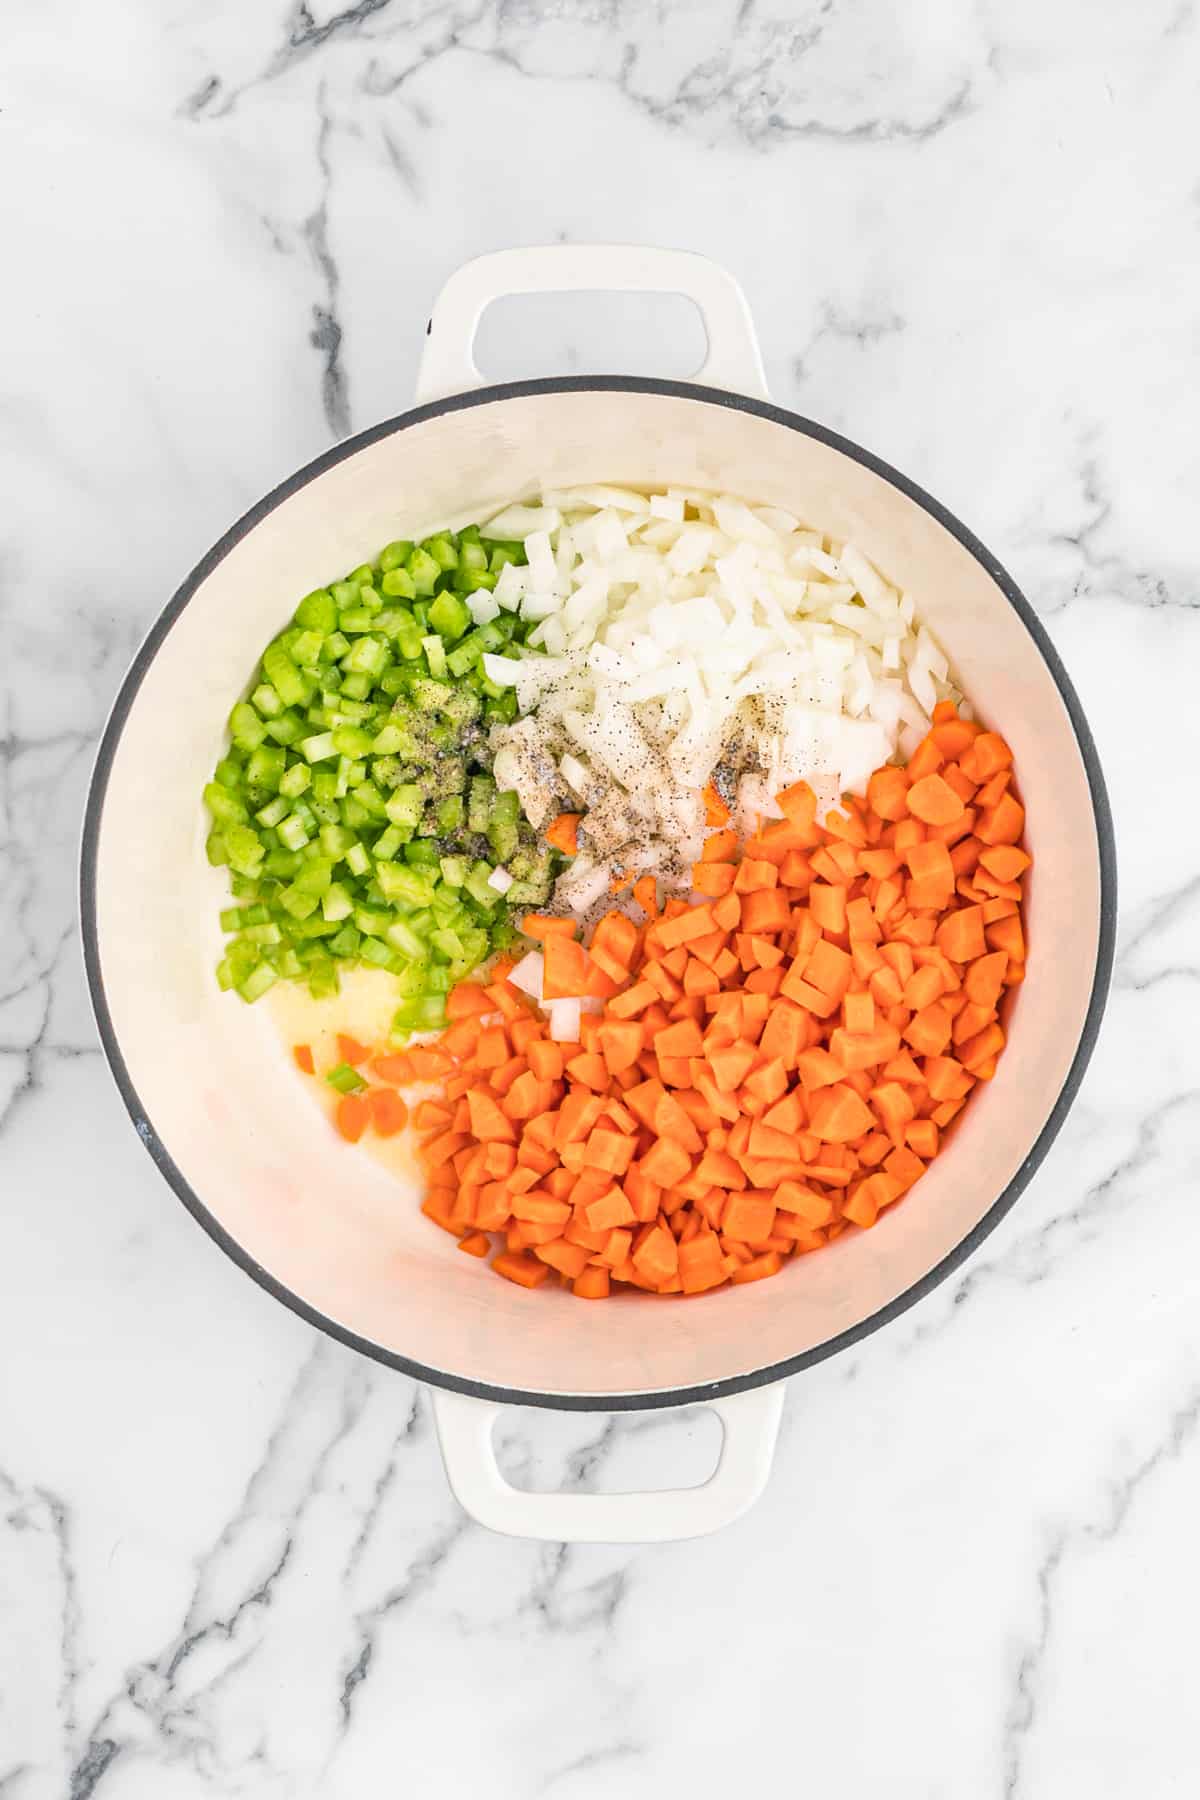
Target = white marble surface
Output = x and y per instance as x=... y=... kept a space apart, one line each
x=229 y=1561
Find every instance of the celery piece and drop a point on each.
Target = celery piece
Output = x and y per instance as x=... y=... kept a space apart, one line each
x=265 y=768
x=449 y=616
x=345 y=1079
x=435 y=655
x=402 y=937
x=357 y=860
x=395 y=555
x=266 y=701
x=351 y=740
x=245 y=727
x=424 y=571
x=318 y=748
x=405 y=803
x=292 y=834
x=257 y=982
x=306 y=650
x=317 y=612
x=476 y=885
x=398 y=584
x=283 y=675
x=228 y=772
x=337 y=903
x=273 y=811
x=294 y=780
x=224 y=805
x=366 y=656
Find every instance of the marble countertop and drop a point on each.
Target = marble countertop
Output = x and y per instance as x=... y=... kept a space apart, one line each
x=229 y=1561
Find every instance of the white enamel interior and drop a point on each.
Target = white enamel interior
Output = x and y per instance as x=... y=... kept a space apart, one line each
x=242 y=1129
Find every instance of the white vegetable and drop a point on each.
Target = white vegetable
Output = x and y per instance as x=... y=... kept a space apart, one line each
x=564 y=1016
x=682 y=628
x=527 y=976
x=501 y=880
x=503 y=670
x=519 y=521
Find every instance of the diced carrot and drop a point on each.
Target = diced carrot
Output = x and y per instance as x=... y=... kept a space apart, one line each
x=302 y=1053
x=1006 y=934
x=516 y=1266
x=715 y=810
x=388 y=1111
x=887 y=793
x=591 y=1284
x=934 y=801
x=701 y=1264
x=565 y=969
x=960 y=935
x=1002 y=823
x=837 y=1115
x=353 y=1115
x=563 y=833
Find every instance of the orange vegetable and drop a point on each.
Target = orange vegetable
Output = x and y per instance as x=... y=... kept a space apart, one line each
x=563 y=833
x=388 y=1111
x=760 y=1070
x=303 y=1057
x=353 y=1115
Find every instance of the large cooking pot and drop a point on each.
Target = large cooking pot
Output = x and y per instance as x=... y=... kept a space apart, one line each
x=216 y=1101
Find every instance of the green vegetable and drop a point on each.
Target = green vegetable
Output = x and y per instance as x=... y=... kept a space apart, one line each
x=355 y=809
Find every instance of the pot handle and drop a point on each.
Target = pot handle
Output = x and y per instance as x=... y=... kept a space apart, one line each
x=733 y=360
x=750 y=1426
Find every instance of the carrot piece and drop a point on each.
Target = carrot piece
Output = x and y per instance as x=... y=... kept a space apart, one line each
x=388 y=1111
x=829 y=969
x=656 y=1257
x=924 y=760
x=476 y=1243
x=858 y=1012
x=467 y=1001
x=753 y=876
x=665 y=1163
x=488 y=1121
x=303 y=1056
x=929 y=1030
x=682 y=1039
x=692 y=922
x=984 y=979
x=827 y=905
x=701 y=1264
x=563 y=833
x=715 y=810
x=645 y=892
x=766 y=911
x=713 y=879
x=798 y=804
x=759 y=1268
x=748 y=1218
x=526 y=1271
x=887 y=793
x=1002 y=823
x=818 y=1069
x=960 y=935
x=591 y=1284
x=730 y=1066
x=838 y=1114
x=934 y=801
x=721 y=847
x=353 y=1115
x=566 y=965
x=1006 y=934
x=607 y=1212
x=590 y=1069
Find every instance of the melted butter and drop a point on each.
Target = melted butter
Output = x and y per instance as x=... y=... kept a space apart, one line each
x=363 y=1009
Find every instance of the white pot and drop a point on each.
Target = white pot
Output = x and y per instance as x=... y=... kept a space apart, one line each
x=215 y=1099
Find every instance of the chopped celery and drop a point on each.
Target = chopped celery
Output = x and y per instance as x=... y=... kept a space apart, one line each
x=345 y=1079
x=355 y=799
